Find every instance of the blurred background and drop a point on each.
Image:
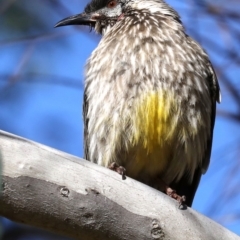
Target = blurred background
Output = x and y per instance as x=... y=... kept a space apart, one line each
x=41 y=90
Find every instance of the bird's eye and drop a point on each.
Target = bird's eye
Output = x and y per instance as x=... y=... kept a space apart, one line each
x=112 y=4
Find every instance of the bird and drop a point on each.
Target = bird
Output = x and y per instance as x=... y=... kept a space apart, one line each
x=150 y=96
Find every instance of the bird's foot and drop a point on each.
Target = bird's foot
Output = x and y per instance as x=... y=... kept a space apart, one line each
x=119 y=169
x=172 y=193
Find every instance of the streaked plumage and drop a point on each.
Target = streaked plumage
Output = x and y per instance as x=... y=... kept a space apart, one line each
x=150 y=94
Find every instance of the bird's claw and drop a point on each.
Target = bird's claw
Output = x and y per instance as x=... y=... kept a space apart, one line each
x=119 y=169
x=172 y=193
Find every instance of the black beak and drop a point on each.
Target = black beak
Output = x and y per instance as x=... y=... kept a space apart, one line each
x=79 y=19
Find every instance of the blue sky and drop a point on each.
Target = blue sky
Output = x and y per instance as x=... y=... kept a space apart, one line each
x=44 y=103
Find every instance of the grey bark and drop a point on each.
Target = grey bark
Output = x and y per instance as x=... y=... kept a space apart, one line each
x=56 y=191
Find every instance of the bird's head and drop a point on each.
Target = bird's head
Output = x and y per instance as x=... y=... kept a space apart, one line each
x=104 y=14
x=98 y=14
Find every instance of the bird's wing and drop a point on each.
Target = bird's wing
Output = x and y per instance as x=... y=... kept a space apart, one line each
x=183 y=187
x=85 y=121
x=215 y=97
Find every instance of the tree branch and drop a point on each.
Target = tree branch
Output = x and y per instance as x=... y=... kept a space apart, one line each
x=53 y=190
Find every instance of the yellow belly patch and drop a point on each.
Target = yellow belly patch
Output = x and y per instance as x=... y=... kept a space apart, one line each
x=154 y=131
x=153 y=123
